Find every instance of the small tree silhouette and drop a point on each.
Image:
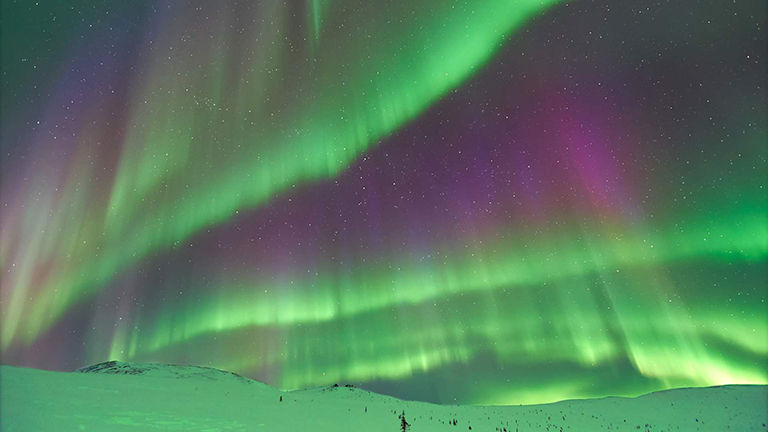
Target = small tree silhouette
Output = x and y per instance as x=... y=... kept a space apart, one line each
x=404 y=425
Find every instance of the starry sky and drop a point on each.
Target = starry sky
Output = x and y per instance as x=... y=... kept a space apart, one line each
x=476 y=202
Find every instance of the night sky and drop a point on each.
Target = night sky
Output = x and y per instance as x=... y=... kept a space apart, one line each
x=485 y=202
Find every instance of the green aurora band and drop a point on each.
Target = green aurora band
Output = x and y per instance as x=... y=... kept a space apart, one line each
x=167 y=188
x=491 y=296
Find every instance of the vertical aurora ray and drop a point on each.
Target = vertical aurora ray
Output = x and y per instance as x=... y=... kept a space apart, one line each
x=453 y=202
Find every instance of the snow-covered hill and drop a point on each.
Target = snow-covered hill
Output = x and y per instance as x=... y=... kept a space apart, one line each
x=116 y=396
x=157 y=370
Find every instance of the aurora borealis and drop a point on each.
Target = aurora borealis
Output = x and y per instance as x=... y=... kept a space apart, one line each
x=487 y=202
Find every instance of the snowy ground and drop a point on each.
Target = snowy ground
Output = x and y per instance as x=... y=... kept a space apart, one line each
x=125 y=397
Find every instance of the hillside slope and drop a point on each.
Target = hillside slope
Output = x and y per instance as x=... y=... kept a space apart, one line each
x=125 y=397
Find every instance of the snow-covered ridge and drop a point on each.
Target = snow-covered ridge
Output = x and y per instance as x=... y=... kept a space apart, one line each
x=159 y=370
